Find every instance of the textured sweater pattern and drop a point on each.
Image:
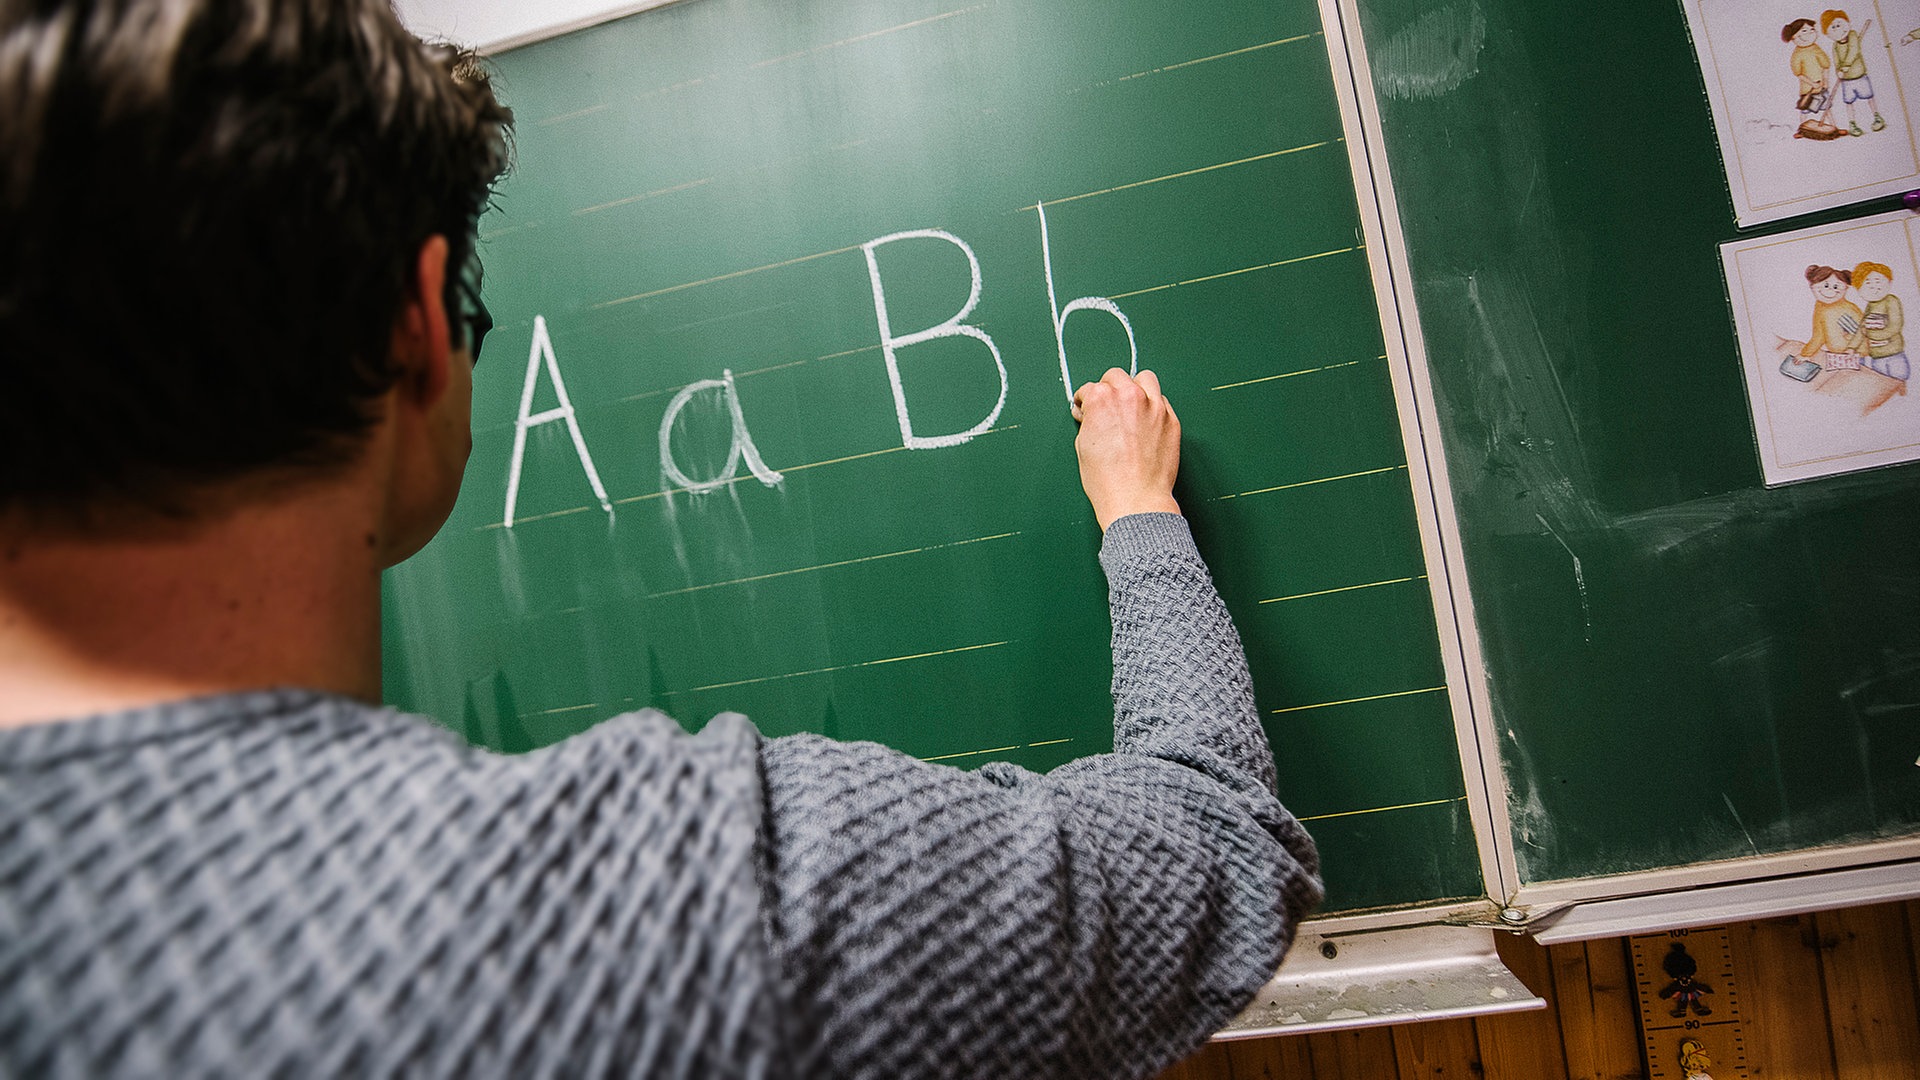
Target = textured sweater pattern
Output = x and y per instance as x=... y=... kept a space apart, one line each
x=288 y=883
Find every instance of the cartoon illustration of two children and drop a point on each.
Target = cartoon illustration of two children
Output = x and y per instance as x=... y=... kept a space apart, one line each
x=1856 y=354
x=1822 y=76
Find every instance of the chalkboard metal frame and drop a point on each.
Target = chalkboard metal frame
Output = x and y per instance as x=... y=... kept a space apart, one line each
x=1420 y=430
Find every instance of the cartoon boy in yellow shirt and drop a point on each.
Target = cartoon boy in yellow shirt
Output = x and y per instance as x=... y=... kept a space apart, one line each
x=1850 y=63
x=1881 y=337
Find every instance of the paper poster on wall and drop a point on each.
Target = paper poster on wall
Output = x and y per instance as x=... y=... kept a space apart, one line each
x=1823 y=336
x=1811 y=103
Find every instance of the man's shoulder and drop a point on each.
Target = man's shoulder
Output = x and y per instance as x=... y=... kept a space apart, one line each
x=291 y=735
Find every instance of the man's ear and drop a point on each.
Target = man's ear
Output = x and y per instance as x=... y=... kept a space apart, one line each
x=422 y=346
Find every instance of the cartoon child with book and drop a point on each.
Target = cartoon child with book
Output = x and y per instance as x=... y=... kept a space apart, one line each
x=1839 y=358
x=1811 y=65
x=1880 y=338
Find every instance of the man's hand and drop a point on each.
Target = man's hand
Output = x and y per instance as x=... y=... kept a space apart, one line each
x=1129 y=445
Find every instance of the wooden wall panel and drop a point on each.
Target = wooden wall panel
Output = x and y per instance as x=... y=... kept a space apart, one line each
x=1442 y=1050
x=1358 y=1054
x=1594 y=995
x=1868 y=970
x=1834 y=996
x=1770 y=956
x=1524 y=1046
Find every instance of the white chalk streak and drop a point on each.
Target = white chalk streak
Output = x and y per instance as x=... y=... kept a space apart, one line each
x=1358 y=700
x=831 y=565
x=845 y=667
x=1289 y=374
x=1190 y=172
x=1579 y=575
x=720 y=277
x=1236 y=273
x=1384 y=809
x=1345 y=588
x=1310 y=483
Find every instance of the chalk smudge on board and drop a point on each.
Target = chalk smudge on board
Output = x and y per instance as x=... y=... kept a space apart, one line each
x=1533 y=454
x=1531 y=825
x=513 y=582
x=1748 y=833
x=1666 y=528
x=1579 y=576
x=1434 y=55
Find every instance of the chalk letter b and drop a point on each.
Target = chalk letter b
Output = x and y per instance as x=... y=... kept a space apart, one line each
x=953 y=327
x=1084 y=303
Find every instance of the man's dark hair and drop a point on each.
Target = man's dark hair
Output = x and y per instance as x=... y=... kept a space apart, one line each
x=210 y=212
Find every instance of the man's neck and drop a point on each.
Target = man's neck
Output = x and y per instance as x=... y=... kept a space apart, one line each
x=285 y=593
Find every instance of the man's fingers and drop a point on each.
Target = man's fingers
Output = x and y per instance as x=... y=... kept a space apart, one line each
x=1080 y=400
x=1117 y=381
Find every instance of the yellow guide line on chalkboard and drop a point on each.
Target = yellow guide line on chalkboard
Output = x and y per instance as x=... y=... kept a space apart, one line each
x=644 y=394
x=643 y=195
x=1290 y=374
x=831 y=565
x=1218 y=56
x=1236 y=273
x=562 y=709
x=1345 y=588
x=1189 y=172
x=1357 y=700
x=685 y=84
x=868 y=36
x=995 y=750
x=1384 y=809
x=1309 y=483
x=721 y=277
x=844 y=667
x=651 y=495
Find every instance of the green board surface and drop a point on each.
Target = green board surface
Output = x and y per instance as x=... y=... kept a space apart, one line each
x=697 y=191
x=1685 y=665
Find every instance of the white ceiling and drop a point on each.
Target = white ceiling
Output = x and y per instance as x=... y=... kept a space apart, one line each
x=495 y=25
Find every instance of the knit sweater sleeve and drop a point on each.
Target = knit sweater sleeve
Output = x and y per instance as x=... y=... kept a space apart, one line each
x=1098 y=921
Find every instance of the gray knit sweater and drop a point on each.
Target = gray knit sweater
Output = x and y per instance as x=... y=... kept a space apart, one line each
x=294 y=884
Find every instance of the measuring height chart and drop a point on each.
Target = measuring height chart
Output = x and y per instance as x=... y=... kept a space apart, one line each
x=1689 y=1006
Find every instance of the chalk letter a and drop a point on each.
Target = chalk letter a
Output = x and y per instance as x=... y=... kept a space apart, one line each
x=742 y=440
x=953 y=327
x=543 y=348
x=1084 y=303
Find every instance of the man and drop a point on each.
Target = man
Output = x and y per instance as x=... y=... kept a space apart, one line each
x=240 y=316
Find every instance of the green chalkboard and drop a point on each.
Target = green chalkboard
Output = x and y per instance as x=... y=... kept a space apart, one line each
x=691 y=226
x=1685 y=666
